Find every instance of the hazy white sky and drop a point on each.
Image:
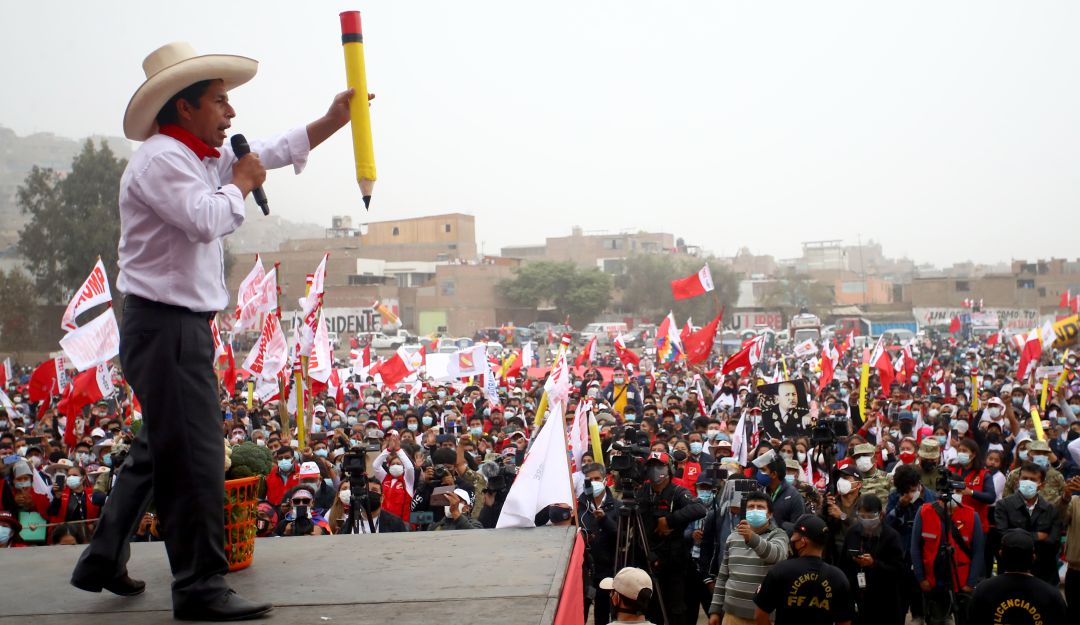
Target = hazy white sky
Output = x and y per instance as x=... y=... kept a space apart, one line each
x=946 y=130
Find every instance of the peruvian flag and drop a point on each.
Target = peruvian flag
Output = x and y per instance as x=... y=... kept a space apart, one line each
x=398 y=367
x=219 y=346
x=907 y=364
x=246 y=297
x=44 y=381
x=333 y=386
x=6 y=373
x=830 y=359
x=994 y=338
x=94 y=291
x=87 y=388
x=954 y=325
x=692 y=286
x=512 y=366
x=626 y=357
x=588 y=354
x=846 y=345
x=746 y=357
x=880 y=360
x=558 y=384
x=1037 y=340
x=1066 y=299
x=699 y=345
x=361 y=361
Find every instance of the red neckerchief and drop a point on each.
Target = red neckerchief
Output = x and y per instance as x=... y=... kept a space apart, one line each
x=195 y=144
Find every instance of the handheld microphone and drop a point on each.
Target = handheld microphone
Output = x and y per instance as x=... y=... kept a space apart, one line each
x=241 y=148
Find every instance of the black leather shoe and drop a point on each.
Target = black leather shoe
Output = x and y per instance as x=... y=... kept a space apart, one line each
x=123 y=586
x=230 y=607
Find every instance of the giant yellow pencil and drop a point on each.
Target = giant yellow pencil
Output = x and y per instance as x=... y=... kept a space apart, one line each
x=352 y=41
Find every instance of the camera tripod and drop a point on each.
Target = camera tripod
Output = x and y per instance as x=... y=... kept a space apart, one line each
x=358 y=498
x=948 y=552
x=631 y=535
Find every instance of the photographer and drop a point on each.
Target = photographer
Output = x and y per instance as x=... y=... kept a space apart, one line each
x=667 y=509
x=370 y=517
x=499 y=479
x=299 y=520
x=442 y=472
x=456 y=513
x=947 y=570
x=598 y=514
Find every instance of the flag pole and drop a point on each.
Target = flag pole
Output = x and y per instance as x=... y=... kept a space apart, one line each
x=566 y=448
x=299 y=372
x=283 y=409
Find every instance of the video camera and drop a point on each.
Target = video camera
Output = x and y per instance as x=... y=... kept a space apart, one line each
x=503 y=479
x=830 y=428
x=633 y=449
x=302 y=523
x=947 y=484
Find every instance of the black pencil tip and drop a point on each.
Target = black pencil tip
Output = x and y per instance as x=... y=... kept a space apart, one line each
x=367 y=202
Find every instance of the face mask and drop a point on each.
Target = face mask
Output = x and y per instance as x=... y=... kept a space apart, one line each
x=597 y=488
x=1023 y=454
x=843 y=486
x=757 y=518
x=870 y=525
x=656 y=474
x=961 y=427
x=679 y=456
x=630 y=417
x=3 y=424
x=786 y=455
x=933 y=413
x=476 y=431
x=801 y=455
x=941 y=440
x=680 y=389
x=957 y=498
x=1042 y=461
x=994 y=412
x=724 y=437
x=73 y=481
x=397 y=470
x=695 y=448
x=894 y=433
x=706 y=496
x=335 y=424
x=24 y=484
x=620 y=381
x=864 y=464
x=386 y=423
x=284 y=465
x=1062 y=421
x=5 y=534
x=1018 y=402
x=83 y=458
x=352 y=420
x=260 y=442
x=559 y=515
x=763 y=479
x=427 y=421
x=107 y=460
x=322 y=453
x=35 y=461
x=1075 y=408
x=963 y=458
x=316 y=427
x=789 y=478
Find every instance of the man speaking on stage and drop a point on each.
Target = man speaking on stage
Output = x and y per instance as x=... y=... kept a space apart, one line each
x=181 y=193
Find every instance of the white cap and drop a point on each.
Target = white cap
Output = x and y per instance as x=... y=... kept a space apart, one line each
x=309 y=469
x=97 y=432
x=629 y=582
x=464 y=495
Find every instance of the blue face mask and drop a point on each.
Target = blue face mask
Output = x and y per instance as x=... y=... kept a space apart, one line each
x=940 y=440
x=476 y=431
x=413 y=427
x=5 y=534
x=1042 y=461
x=322 y=453
x=630 y=417
x=695 y=448
x=763 y=479
x=1023 y=453
x=1075 y=409
x=284 y=466
x=963 y=458
x=108 y=460
x=723 y=437
x=756 y=518
x=706 y=496
x=790 y=479
x=1028 y=488
x=1062 y=421
x=427 y=421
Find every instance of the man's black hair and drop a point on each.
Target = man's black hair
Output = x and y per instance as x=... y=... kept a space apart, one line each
x=905 y=478
x=869 y=503
x=636 y=606
x=191 y=94
x=1031 y=467
x=759 y=496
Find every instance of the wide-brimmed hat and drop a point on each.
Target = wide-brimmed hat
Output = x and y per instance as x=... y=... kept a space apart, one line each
x=169 y=70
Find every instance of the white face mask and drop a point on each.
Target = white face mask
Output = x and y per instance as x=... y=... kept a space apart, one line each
x=957 y=498
x=345 y=495
x=843 y=486
x=396 y=470
x=864 y=463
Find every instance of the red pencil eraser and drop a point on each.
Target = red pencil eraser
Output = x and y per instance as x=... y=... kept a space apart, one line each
x=350 y=23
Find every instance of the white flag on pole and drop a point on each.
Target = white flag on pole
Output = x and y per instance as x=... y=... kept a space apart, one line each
x=544 y=478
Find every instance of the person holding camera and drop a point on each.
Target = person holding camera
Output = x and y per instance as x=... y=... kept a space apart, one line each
x=456 y=513
x=667 y=509
x=370 y=517
x=299 y=519
x=598 y=516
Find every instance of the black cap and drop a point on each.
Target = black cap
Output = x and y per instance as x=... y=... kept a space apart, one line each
x=812 y=527
x=1018 y=540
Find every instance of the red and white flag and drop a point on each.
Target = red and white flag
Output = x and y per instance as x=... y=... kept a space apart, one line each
x=1066 y=299
x=881 y=361
x=558 y=384
x=93 y=343
x=626 y=357
x=271 y=352
x=830 y=360
x=87 y=388
x=747 y=357
x=544 y=477
x=310 y=307
x=6 y=373
x=692 y=286
x=468 y=362
x=45 y=380
x=994 y=338
x=94 y=291
x=698 y=345
x=321 y=363
x=687 y=330
x=361 y=361
x=588 y=354
x=219 y=346
x=398 y=367
x=805 y=348
x=247 y=296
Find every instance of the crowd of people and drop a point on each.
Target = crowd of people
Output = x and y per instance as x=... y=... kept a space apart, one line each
x=949 y=496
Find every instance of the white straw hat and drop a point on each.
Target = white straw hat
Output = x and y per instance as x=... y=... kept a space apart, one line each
x=172 y=68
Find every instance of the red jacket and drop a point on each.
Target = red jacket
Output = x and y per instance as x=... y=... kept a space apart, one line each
x=975 y=481
x=92 y=511
x=963 y=518
x=396 y=499
x=276 y=487
x=691 y=471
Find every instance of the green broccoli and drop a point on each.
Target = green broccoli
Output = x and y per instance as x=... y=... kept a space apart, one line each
x=249 y=459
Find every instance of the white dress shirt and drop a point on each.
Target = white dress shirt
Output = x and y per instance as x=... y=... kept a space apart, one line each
x=174 y=211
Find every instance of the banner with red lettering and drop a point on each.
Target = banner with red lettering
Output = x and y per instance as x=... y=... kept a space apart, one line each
x=94 y=291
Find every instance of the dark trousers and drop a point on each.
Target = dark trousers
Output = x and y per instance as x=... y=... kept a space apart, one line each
x=601 y=606
x=1072 y=594
x=167 y=356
